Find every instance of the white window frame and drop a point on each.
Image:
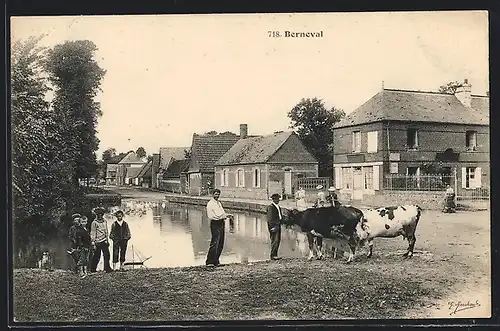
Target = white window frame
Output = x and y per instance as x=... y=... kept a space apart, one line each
x=237 y=177
x=365 y=177
x=372 y=138
x=473 y=176
x=356 y=141
x=256 y=177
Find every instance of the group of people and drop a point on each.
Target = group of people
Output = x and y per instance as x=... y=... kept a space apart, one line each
x=89 y=243
x=217 y=217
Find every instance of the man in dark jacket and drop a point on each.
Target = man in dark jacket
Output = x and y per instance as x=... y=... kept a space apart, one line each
x=274 y=217
x=120 y=235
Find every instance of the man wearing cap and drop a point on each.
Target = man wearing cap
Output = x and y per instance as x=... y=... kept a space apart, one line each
x=99 y=239
x=120 y=235
x=217 y=217
x=274 y=217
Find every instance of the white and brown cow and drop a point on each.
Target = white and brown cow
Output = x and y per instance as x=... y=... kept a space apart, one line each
x=389 y=222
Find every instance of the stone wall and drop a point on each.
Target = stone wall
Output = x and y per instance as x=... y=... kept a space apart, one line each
x=426 y=200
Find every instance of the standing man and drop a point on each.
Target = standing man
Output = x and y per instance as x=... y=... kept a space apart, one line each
x=274 y=217
x=99 y=239
x=217 y=217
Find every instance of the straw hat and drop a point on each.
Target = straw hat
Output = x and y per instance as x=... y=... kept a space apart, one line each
x=319 y=187
x=75 y=216
x=331 y=189
x=275 y=195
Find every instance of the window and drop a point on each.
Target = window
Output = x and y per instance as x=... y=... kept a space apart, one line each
x=412 y=138
x=240 y=178
x=347 y=177
x=225 y=178
x=256 y=177
x=356 y=141
x=372 y=142
x=412 y=171
x=470 y=175
x=368 y=180
x=471 y=140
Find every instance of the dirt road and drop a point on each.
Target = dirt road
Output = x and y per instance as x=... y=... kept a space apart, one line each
x=454 y=249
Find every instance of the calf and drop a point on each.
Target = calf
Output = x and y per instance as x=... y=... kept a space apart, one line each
x=390 y=222
x=328 y=222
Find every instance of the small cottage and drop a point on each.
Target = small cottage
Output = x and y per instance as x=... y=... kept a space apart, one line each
x=257 y=167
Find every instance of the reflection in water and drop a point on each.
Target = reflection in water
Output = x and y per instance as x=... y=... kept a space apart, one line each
x=176 y=235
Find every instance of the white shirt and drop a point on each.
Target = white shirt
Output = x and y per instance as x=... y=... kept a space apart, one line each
x=279 y=209
x=215 y=210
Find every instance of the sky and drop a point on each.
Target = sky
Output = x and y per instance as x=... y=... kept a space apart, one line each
x=169 y=76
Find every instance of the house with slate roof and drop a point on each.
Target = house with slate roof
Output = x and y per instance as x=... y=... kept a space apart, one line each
x=412 y=133
x=257 y=167
x=206 y=149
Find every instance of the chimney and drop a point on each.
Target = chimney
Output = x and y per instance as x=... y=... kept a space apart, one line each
x=243 y=131
x=463 y=93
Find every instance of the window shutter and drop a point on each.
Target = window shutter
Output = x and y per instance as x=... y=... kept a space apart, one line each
x=338 y=178
x=376 y=178
x=464 y=175
x=477 y=177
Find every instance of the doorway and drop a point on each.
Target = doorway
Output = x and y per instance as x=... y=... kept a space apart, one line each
x=357 y=177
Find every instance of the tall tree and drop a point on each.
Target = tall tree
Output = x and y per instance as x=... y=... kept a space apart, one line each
x=108 y=155
x=39 y=170
x=450 y=88
x=141 y=152
x=76 y=76
x=314 y=123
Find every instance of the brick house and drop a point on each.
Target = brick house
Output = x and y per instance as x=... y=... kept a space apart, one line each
x=257 y=167
x=410 y=132
x=206 y=149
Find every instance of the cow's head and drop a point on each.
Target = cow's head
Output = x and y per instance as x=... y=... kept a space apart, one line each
x=290 y=217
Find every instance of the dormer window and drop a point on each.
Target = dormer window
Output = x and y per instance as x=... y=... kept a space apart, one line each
x=471 y=140
x=412 y=138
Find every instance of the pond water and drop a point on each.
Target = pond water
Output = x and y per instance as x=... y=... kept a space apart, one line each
x=175 y=235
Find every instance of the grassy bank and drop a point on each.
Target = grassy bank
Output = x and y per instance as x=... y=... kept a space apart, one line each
x=288 y=289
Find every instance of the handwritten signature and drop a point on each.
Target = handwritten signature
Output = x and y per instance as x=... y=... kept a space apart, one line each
x=458 y=306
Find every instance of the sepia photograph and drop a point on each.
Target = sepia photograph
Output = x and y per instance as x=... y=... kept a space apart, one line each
x=231 y=167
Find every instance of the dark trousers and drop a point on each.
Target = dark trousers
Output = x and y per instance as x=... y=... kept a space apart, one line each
x=119 y=246
x=104 y=248
x=217 y=241
x=275 y=241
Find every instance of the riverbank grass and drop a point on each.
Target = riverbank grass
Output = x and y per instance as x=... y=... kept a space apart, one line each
x=287 y=289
